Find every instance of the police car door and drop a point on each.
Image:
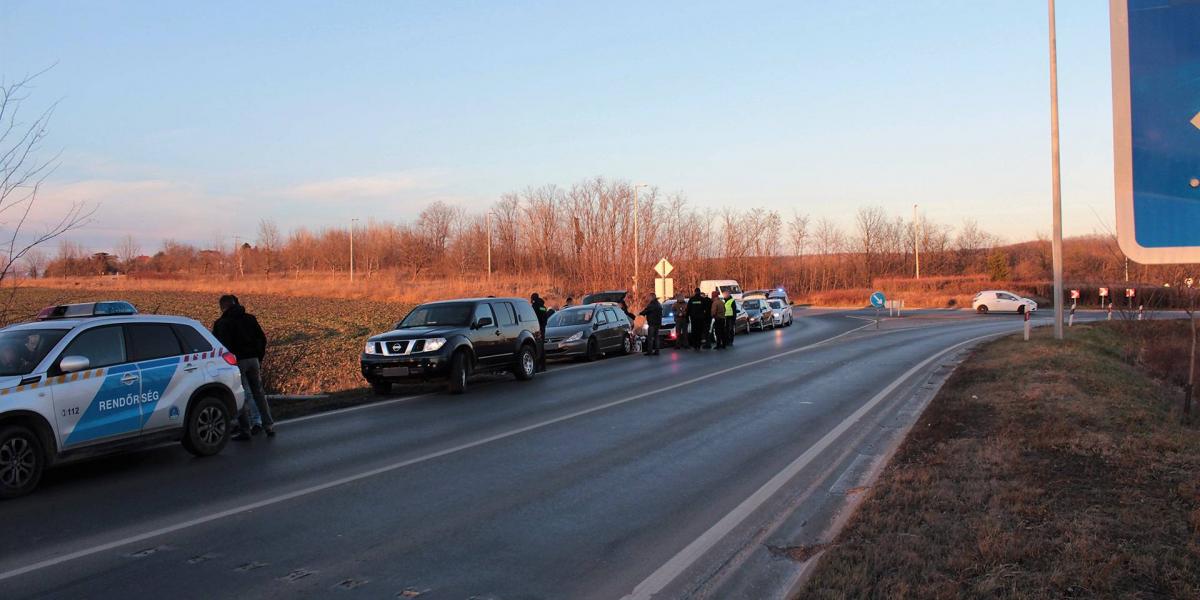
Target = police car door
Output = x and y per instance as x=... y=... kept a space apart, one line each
x=166 y=379
x=101 y=402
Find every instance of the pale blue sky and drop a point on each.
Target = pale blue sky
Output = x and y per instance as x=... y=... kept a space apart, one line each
x=191 y=119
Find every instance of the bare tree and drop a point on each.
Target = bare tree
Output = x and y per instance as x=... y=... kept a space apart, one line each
x=128 y=250
x=798 y=232
x=268 y=242
x=22 y=174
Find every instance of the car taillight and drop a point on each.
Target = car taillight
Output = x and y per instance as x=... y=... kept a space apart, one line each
x=229 y=358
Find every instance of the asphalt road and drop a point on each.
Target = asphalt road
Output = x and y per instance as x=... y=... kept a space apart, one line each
x=680 y=475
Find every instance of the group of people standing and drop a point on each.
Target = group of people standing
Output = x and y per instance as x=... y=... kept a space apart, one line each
x=701 y=322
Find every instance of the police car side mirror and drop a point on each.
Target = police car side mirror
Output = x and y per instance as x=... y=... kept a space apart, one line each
x=73 y=364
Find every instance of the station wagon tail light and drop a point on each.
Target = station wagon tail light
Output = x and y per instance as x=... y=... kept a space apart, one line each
x=229 y=358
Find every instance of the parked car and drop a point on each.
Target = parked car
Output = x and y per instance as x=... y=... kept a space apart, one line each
x=452 y=339
x=759 y=313
x=1002 y=301
x=589 y=331
x=782 y=312
x=771 y=294
x=666 y=335
x=97 y=378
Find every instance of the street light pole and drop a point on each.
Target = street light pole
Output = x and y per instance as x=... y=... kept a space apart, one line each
x=917 y=241
x=352 y=222
x=636 y=245
x=1056 y=182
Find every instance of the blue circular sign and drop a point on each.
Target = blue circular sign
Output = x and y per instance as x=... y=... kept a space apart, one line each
x=878 y=300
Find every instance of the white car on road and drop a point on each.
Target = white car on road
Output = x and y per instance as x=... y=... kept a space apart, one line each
x=783 y=312
x=95 y=378
x=1002 y=301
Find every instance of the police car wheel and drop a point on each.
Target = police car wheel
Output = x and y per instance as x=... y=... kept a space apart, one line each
x=526 y=363
x=458 y=373
x=207 y=428
x=21 y=461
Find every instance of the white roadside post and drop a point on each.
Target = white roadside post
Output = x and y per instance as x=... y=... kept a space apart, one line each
x=1074 y=304
x=1028 y=325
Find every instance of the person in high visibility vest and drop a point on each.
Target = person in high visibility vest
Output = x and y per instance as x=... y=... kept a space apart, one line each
x=730 y=319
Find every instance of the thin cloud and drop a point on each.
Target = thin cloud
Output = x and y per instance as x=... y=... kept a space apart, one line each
x=375 y=186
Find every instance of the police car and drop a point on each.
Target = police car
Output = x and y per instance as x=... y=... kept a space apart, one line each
x=87 y=379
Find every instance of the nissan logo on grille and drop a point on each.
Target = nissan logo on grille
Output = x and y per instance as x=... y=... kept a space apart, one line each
x=396 y=347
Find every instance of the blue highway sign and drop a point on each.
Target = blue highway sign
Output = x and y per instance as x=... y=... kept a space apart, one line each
x=1156 y=128
x=878 y=300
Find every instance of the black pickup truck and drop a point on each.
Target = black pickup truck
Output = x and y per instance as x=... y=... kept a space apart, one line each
x=451 y=339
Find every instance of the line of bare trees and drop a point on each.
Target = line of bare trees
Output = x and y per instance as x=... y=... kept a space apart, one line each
x=583 y=236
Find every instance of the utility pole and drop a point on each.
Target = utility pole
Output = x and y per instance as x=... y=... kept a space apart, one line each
x=636 y=245
x=352 y=222
x=917 y=241
x=1056 y=182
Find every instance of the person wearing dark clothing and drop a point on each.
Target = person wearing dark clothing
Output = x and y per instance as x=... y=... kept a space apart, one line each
x=239 y=332
x=653 y=313
x=718 y=316
x=679 y=308
x=543 y=315
x=696 y=316
x=707 y=337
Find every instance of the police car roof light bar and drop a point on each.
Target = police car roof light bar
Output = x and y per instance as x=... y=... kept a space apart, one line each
x=106 y=308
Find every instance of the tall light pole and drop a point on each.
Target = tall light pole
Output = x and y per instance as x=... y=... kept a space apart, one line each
x=636 y=246
x=1056 y=182
x=352 y=222
x=917 y=241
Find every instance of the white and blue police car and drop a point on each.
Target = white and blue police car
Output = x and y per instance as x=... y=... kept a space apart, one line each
x=95 y=378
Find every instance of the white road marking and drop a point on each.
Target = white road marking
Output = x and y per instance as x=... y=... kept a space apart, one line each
x=673 y=568
x=229 y=512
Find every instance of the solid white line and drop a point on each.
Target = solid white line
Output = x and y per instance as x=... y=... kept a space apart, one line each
x=57 y=560
x=664 y=575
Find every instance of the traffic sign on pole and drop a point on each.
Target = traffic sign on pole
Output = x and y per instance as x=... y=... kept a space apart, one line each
x=1156 y=129
x=664 y=268
x=878 y=299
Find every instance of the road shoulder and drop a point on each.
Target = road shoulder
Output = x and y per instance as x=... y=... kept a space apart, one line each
x=1039 y=470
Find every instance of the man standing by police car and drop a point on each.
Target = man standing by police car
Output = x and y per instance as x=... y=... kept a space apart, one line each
x=543 y=315
x=241 y=334
x=696 y=314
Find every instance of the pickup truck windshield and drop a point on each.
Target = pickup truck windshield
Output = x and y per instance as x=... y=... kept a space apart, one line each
x=439 y=315
x=23 y=349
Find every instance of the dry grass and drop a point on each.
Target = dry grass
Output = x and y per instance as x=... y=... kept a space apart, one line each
x=1041 y=470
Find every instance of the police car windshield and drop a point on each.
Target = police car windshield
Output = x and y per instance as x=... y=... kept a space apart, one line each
x=439 y=315
x=23 y=349
x=578 y=316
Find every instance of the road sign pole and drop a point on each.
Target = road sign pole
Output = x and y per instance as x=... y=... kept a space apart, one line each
x=1056 y=182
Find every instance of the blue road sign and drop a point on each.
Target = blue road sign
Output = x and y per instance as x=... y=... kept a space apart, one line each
x=878 y=300
x=1156 y=128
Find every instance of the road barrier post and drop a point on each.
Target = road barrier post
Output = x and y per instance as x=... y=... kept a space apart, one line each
x=1028 y=326
x=1071 y=317
x=1109 y=311
x=1141 y=311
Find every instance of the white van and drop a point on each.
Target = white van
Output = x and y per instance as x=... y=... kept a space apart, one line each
x=721 y=285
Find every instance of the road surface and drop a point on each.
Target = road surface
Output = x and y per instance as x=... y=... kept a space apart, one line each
x=683 y=475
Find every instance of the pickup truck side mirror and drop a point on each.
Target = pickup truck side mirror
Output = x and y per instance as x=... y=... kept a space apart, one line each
x=483 y=322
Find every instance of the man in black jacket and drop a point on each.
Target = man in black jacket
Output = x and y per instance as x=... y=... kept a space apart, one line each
x=653 y=313
x=543 y=315
x=241 y=334
x=696 y=314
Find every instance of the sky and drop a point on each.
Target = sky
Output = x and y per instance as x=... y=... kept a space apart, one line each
x=194 y=120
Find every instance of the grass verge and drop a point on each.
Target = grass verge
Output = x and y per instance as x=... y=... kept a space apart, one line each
x=1040 y=470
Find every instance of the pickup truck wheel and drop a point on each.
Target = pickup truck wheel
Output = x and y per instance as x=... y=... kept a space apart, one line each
x=207 y=427
x=526 y=363
x=381 y=388
x=459 y=369
x=22 y=461
x=593 y=350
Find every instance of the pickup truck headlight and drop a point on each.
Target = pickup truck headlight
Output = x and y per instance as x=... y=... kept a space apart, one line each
x=370 y=349
x=435 y=344
x=578 y=335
